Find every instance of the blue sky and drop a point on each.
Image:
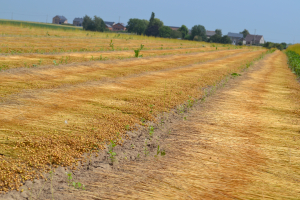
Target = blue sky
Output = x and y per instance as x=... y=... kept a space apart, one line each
x=277 y=21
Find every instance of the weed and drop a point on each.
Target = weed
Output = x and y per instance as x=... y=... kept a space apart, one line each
x=137 y=52
x=76 y=185
x=161 y=152
x=151 y=107
x=111 y=44
x=151 y=131
x=235 y=74
x=111 y=151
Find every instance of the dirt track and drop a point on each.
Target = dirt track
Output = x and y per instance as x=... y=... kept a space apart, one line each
x=241 y=143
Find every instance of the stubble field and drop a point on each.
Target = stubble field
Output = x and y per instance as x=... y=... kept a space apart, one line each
x=58 y=102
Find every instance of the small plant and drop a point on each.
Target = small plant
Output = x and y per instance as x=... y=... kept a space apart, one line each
x=111 y=44
x=137 y=52
x=161 y=152
x=76 y=185
x=235 y=74
x=54 y=62
x=151 y=131
x=111 y=151
x=151 y=106
x=127 y=127
x=143 y=121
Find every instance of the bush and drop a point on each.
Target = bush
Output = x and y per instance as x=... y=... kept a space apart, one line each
x=176 y=34
x=165 y=31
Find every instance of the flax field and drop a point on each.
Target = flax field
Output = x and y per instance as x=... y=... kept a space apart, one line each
x=64 y=93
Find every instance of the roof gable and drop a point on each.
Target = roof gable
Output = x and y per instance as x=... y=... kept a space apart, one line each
x=78 y=19
x=237 y=35
x=109 y=23
x=210 y=33
x=250 y=38
x=61 y=17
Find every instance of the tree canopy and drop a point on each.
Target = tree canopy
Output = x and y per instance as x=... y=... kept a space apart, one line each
x=226 y=40
x=96 y=24
x=153 y=26
x=184 y=30
x=199 y=33
x=218 y=32
x=165 y=31
x=245 y=32
x=138 y=26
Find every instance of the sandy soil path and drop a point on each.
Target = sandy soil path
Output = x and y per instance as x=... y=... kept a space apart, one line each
x=242 y=143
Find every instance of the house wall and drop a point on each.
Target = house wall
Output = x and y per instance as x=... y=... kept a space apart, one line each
x=262 y=40
x=55 y=20
x=118 y=27
x=77 y=23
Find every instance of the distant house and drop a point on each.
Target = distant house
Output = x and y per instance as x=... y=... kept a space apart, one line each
x=254 y=39
x=77 y=21
x=118 y=27
x=210 y=33
x=236 y=38
x=174 y=28
x=59 y=19
x=115 y=26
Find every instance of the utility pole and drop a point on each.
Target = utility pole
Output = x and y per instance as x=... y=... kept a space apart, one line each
x=119 y=19
x=12 y=15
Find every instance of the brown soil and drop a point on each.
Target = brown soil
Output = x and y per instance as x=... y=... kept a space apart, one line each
x=240 y=143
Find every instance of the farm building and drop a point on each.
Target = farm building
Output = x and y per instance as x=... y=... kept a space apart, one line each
x=115 y=26
x=254 y=39
x=210 y=33
x=174 y=28
x=119 y=27
x=236 y=38
x=77 y=21
x=59 y=19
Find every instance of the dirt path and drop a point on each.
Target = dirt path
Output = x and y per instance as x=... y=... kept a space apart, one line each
x=241 y=143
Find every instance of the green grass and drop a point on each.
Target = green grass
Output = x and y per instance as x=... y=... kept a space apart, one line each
x=38 y=25
x=294 y=61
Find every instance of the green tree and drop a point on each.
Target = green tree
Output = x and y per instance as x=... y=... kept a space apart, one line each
x=218 y=32
x=245 y=32
x=199 y=33
x=157 y=22
x=226 y=40
x=283 y=45
x=165 y=31
x=137 y=26
x=188 y=37
x=87 y=23
x=153 y=26
x=215 y=38
x=184 y=30
x=99 y=24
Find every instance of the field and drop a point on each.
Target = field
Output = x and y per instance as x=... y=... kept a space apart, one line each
x=293 y=54
x=66 y=92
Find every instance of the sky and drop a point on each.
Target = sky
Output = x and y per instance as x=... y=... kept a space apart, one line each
x=277 y=20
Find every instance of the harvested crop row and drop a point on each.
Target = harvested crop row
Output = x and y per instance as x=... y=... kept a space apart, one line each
x=13 y=45
x=35 y=60
x=51 y=77
x=241 y=144
x=57 y=126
